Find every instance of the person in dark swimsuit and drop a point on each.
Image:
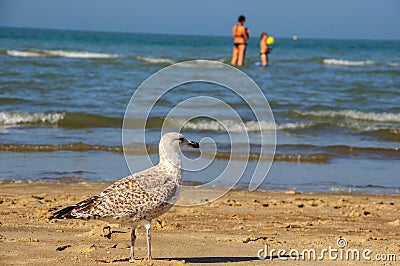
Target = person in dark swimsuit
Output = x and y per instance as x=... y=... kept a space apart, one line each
x=264 y=49
x=240 y=35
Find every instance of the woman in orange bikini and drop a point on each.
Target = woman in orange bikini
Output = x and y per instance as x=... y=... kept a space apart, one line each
x=240 y=35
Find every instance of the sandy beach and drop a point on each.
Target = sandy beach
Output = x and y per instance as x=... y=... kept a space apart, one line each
x=230 y=230
x=280 y=95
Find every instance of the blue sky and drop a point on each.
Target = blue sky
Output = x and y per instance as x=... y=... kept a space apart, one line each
x=349 y=19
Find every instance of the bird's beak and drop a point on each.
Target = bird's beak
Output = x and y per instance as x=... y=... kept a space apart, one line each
x=193 y=144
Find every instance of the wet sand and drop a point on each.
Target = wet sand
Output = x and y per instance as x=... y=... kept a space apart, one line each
x=230 y=230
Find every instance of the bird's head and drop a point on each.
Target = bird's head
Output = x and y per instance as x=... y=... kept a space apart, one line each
x=175 y=139
x=171 y=144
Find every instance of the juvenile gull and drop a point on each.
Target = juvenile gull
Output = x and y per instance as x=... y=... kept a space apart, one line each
x=140 y=197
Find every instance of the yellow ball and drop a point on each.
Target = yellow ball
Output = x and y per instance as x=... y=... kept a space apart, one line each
x=270 y=40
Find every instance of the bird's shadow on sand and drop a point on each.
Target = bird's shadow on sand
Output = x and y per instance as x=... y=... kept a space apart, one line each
x=202 y=259
x=212 y=259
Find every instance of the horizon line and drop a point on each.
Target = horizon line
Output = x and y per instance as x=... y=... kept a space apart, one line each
x=198 y=35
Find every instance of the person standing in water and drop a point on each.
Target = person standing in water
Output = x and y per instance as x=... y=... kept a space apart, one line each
x=264 y=49
x=240 y=35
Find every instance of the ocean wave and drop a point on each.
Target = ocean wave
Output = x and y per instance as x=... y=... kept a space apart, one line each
x=67 y=120
x=155 y=60
x=77 y=147
x=84 y=147
x=355 y=115
x=384 y=133
x=341 y=151
x=13 y=100
x=24 y=53
x=60 y=53
x=393 y=64
x=298 y=158
x=72 y=54
x=369 y=127
x=201 y=64
x=286 y=153
x=249 y=126
x=340 y=62
x=375 y=123
x=11 y=118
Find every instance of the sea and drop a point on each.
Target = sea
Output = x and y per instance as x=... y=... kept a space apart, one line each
x=335 y=103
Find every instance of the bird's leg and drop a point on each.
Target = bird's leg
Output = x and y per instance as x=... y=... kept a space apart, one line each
x=148 y=234
x=133 y=238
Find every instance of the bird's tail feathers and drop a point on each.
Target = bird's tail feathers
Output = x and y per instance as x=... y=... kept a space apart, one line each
x=81 y=210
x=64 y=213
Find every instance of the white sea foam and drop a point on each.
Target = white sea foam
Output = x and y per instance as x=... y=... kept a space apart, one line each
x=356 y=115
x=393 y=64
x=155 y=60
x=60 y=53
x=201 y=64
x=24 y=53
x=366 y=127
x=339 y=62
x=74 y=54
x=250 y=126
x=11 y=118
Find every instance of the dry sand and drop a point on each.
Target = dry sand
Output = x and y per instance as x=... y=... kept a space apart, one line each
x=230 y=230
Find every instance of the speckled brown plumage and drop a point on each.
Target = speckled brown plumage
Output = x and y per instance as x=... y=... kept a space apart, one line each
x=140 y=197
x=144 y=195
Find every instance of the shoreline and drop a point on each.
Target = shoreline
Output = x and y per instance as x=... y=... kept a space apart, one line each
x=191 y=183
x=231 y=229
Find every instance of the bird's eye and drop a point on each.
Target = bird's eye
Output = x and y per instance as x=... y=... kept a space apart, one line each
x=181 y=139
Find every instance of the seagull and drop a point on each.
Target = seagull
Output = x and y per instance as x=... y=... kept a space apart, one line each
x=140 y=197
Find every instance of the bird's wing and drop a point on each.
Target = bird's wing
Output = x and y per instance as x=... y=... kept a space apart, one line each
x=124 y=197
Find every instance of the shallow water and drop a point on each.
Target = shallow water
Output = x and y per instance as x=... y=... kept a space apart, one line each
x=63 y=96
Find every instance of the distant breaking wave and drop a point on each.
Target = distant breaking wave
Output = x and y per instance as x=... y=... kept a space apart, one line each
x=393 y=64
x=82 y=120
x=155 y=60
x=10 y=118
x=355 y=115
x=193 y=64
x=67 y=120
x=23 y=53
x=348 y=119
x=339 y=62
x=233 y=126
x=60 y=53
